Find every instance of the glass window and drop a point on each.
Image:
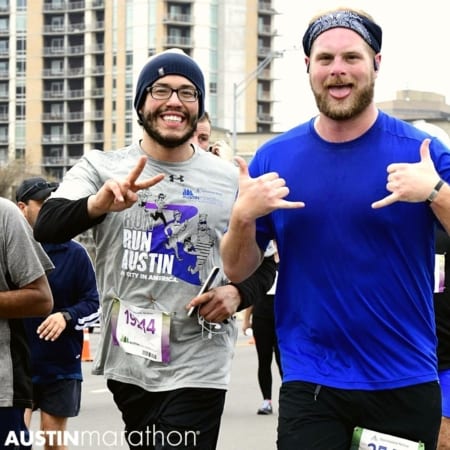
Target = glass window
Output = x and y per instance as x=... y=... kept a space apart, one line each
x=4 y=5
x=21 y=46
x=21 y=23
x=4 y=24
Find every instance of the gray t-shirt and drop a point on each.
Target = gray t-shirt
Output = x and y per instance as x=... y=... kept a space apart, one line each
x=155 y=256
x=22 y=261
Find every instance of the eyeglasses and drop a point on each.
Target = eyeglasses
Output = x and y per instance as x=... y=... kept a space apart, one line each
x=185 y=94
x=33 y=189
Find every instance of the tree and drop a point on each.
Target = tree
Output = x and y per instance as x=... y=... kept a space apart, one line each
x=11 y=174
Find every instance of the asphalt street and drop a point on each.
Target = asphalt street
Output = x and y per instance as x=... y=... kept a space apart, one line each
x=99 y=424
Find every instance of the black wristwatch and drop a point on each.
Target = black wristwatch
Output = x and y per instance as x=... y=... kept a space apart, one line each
x=67 y=316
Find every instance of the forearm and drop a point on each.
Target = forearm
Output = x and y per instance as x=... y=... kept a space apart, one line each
x=441 y=207
x=61 y=219
x=241 y=254
x=32 y=300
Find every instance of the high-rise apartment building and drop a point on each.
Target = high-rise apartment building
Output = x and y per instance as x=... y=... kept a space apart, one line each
x=68 y=68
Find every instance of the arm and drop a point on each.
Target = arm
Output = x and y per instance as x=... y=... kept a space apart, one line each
x=441 y=207
x=220 y=303
x=85 y=311
x=32 y=300
x=79 y=309
x=257 y=284
x=60 y=219
x=240 y=253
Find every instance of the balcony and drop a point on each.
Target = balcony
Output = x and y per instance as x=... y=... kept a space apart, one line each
x=53 y=95
x=178 y=41
x=53 y=117
x=53 y=139
x=178 y=19
x=74 y=28
x=265 y=118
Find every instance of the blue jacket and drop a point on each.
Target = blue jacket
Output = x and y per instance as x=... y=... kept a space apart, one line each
x=74 y=288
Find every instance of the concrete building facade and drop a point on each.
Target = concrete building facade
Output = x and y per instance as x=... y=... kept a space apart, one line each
x=68 y=68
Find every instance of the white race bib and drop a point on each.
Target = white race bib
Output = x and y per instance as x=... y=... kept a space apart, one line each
x=142 y=332
x=439 y=273
x=364 y=439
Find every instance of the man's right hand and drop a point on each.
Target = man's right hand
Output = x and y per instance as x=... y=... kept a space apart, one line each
x=118 y=195
x=260 y=196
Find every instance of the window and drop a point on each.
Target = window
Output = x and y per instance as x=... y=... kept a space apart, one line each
x=57 y=67
x=21 y=67
x=56 y=87
x=21 y=46
x=57 y=44
x=4 y=25
x=4 y=68
x=57 y=23
x=20 y=91
x=20 y=110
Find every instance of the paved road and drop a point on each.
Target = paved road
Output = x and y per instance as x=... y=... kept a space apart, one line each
x=242 y=428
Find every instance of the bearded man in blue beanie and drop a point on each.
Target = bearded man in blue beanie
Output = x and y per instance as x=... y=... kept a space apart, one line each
x=158 y=209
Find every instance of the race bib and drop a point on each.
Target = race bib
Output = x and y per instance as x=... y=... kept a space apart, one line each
x=439 y=273
x=141 y=332
x=364 y=439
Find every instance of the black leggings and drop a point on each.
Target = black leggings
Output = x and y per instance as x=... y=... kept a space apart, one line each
x=266 y=346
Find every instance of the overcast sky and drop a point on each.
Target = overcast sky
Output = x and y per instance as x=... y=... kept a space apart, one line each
x=415 y=51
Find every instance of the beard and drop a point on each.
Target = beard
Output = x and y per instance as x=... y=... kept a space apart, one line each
x=350 y=107
x=170 y=141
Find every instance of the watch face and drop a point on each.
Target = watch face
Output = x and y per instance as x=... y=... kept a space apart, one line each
x=66 y=316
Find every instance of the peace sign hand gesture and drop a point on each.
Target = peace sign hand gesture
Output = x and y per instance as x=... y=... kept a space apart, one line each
x=117 y=195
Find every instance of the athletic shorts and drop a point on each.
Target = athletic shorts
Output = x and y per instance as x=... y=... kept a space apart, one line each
x=314 y=417
x=444 y=380
x=61 y=398
x=186 y=418
x=12 y=429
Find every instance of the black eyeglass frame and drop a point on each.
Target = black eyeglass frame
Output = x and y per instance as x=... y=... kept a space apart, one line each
x=149 y=89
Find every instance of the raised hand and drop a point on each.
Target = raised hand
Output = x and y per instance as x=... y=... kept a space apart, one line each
x=262 y=195
x=410 y=182
x=117 y=195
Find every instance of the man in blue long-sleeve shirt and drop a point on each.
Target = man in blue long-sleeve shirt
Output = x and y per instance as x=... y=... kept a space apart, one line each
x=56 y=340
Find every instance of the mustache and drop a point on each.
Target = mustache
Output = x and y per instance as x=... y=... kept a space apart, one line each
x=338 y=81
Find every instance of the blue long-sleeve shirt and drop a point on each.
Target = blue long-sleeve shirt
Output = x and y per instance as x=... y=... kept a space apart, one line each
x=74 y=288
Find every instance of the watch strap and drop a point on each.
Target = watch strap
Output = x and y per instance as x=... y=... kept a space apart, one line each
x=67 y=316
x=435 y=191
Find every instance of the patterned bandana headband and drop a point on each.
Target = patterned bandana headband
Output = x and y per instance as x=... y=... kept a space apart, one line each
x=367 y=29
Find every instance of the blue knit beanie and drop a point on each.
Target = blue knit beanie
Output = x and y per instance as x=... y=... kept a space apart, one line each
x=170 y=62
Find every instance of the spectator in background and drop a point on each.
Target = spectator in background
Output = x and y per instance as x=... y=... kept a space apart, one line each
x=441 y=304
x=222 y=149
x=442 y=314
x=56 y=340
x=202 y=137
x=260 y=318
x=202 y=133
x=24 y=292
